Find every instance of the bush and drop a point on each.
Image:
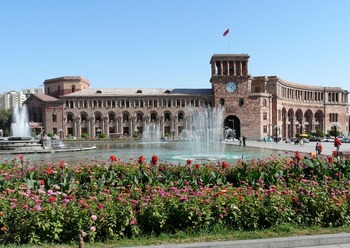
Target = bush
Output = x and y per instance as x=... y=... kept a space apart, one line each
x=84 y=135
x=51 y=202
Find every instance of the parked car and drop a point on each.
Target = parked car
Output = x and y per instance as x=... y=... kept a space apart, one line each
x=329 y=139
x=345 y=140
x=315 y=139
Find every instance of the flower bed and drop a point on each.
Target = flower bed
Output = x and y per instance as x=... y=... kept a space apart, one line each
x=111 y=199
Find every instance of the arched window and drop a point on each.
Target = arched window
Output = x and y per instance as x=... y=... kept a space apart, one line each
x=167 y=116
x=125 y=117
x=69 y=117
x=111 y=117
x=139 y=117
x=83 y=117
x=153 y=117
x=222 y=102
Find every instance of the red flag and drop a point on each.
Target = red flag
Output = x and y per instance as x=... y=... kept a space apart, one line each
x=226 y=32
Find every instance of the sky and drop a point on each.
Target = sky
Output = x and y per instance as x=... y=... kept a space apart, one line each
x=169 y=44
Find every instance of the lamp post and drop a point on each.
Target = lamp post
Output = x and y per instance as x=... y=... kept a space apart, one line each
x=301 y=126
x=335 y=126
x=277 y=129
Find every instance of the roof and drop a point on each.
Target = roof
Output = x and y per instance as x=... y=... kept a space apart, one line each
x=138 y=92
x=45 y=98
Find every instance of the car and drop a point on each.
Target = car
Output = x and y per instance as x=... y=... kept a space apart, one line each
x=329 y=139
x=345 y=140
x=315 y=139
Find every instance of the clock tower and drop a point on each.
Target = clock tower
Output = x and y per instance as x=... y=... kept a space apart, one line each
x=230 y=84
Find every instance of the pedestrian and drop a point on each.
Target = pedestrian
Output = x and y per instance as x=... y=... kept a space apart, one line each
x=316 y=147
x=244 y=138
x=337 y=143
x=319 y=149
x=301 y=142
x=240 y=141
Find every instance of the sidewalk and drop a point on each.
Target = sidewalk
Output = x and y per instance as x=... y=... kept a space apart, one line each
x=341 y=240
x=328 y=147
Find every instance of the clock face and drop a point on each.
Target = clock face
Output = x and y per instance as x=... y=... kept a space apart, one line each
x=231 y=87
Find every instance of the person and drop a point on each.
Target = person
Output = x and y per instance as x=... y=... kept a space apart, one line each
x=240 y=141
x=316 y=147
x=337 y=143
x=244 y=138
x=301 y=142
x=319 y=148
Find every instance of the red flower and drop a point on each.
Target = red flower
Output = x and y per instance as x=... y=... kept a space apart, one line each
x=224 y=165
x=154 y=160
x=21 y=157
x=48 y=171
x=141 y=159
x=61 y=164
x=197 y=165
x=52 y=199
x=113 y=158
x=335 y=153
x=330 y=160
x=42 y=181
x=188 y=162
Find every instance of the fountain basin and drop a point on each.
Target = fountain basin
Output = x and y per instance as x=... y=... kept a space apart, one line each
x=20 y=144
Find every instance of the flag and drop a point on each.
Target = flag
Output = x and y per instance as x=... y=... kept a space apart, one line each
x=226 y=32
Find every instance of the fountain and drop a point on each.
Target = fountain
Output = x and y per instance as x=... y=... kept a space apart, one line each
x=152 y=133
x=205 y=135
x=20 y=129
x=20 y=138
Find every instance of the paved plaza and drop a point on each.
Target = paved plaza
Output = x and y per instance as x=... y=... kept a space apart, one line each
x=328 y=147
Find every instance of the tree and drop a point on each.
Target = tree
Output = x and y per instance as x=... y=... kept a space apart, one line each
x=5 y=121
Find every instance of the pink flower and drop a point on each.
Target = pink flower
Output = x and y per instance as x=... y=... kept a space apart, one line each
x=37 y=208
x=133 y=222
x=93 y=229
x=93 y=217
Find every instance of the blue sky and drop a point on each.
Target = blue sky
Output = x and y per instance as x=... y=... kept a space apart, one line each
x=168 y=44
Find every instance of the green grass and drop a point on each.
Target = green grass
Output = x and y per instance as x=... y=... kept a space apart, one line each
x=217 y=234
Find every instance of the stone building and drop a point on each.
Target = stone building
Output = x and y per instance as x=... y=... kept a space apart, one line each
x=254 y=106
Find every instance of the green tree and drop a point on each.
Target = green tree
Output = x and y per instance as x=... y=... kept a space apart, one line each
x=5 y=121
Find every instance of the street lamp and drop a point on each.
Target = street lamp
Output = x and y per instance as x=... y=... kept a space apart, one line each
x=336 y=126
x=277 y=129
x=301 y=126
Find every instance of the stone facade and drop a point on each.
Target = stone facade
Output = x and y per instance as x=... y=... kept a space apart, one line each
x=255 y=107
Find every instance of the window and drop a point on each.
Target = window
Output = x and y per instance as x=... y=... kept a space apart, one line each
x=265 y=129
x=241 y=102
x=180 y=116
x=125 y=117
x=69 y=117
x=54 y=118
x=222 y=102
x=264 y=116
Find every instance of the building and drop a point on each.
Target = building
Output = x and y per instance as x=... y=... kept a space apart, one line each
x=255 y=106
x=12 y=99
